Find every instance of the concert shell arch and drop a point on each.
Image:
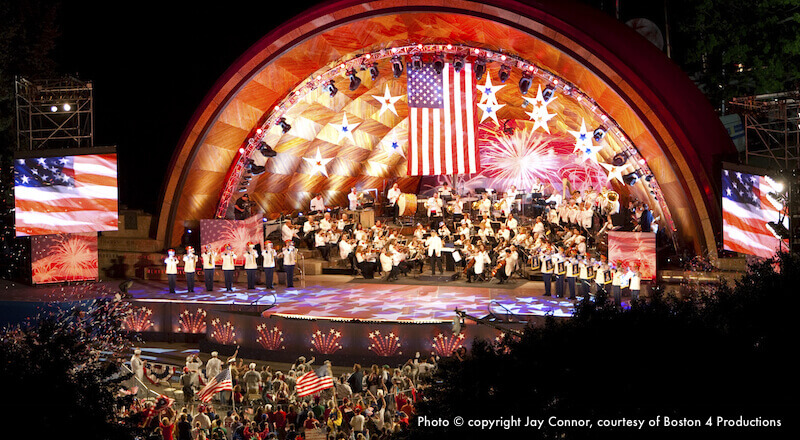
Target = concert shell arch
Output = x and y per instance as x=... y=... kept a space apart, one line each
x=660 y=111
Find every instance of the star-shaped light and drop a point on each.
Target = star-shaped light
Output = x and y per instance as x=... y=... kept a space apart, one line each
x=318 y=164
x=583 y=143
x=393 y=146
x=615 y=172
x=489 y=91
x=346 y=129
x=539 y=114
x=387 y=101
x=489 y=110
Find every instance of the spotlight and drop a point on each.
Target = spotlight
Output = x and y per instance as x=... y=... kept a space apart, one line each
x=67 y=107
x=266 y=150
x=397 y=66
x=355 y=81
x=373 y=71
x=599 y=132
x=416 y=62
x=505 y=72
x=480 y=68
x=648 y=177
x=630 y=179
x=619 y=159
x=438 y=63
x=284 y=125
x=778 y=230
x=331 y=88
x=54 y=108
x=525 y=83
x=253 y=168
x=458 y=64
x=548 y=93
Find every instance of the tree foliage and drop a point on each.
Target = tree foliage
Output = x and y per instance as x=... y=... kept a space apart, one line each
x=723 y=353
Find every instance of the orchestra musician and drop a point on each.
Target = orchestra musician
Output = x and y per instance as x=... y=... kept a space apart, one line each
x=309 y=229
x=347 y=252
x=326 y=224
x=228 y=267
x=387 y=264
x=393 y=194
x=538 y=188
x=352 y=198
x=172 y=269
x=269 y=255
x=444 y=231
x=317 y=204
x=366 y=266
x=250 y=266
x=190 y=267
x=420 y=232
x=458 y=208
x=510 y=258
x=434 y=206
x=321 y=243
x=485 y=206
x=209 y=257
x=479 y=261
x=434 y=245
x=288 y=232
x=512 y=223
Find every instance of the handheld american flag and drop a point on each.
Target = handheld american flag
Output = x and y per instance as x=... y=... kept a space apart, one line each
x=442 y=129
x=310 y=383
x=222 y=382
x=70 y=194
x=747 y=209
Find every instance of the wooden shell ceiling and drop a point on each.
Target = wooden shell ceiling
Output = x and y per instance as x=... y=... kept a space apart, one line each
x=290 y=55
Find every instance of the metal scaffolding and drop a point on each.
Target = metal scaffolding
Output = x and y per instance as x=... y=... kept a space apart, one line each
x=772 y=133
x=54 y=114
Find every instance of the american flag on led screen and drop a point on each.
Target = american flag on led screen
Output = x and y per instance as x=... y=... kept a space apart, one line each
x=70 y=194
x=442 y=129
x=747 y=209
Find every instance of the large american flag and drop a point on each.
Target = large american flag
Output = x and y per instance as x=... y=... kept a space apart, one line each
x=746 y=210
x=70 y=194
x=222 y=382
x=442 y=130
x=310 y=383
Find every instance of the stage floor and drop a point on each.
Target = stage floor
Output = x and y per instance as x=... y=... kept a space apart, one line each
x=338 y=297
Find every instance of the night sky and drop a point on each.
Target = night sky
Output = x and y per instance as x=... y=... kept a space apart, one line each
x=151 y=67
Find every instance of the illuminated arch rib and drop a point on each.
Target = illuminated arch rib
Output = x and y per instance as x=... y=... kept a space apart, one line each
x=655 y=105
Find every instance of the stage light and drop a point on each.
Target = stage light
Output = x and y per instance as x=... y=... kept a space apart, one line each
x=505 y=72
x=449 y=47
x=525 y=84
x=355 y=81
x=284 y=125
x=648 y=177
x=266 y=150
x=253 y=168
x=67 y=107
x=548 y=93
x=630 y=179
x=331 y=88
x=416 y=62
x=241 y=150
x=480 y=67
x=778 y=230
x=619 y=159
x=263 y=219
x=458 y=64
x=438 y=63
x=54 y=108
x=259 y=131
x=397 y=66
x=373 y=71
x=598 y=134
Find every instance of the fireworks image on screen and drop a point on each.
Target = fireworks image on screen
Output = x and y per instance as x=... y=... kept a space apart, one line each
x=386 y=345
x=270 y=338
x=66 y=257
x=223 y=333
x=192 y=322
x=446 y=345
x=326 y=342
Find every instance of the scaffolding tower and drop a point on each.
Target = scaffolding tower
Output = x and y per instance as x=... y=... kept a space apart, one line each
x=54 y=114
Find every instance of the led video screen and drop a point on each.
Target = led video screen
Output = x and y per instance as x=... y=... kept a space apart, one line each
x=66 y=194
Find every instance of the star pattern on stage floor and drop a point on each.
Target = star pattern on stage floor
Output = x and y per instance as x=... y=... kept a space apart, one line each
x=387 y=101
x=488 y=91
x=318 y=164
x=345 y=130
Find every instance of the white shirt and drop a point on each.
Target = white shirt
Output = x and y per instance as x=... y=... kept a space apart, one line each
x=353 y=198
x=320 y=239
x=325 y=224
x=137 y=366
x=636 y=281
x=485 y=206
x=287 y=232
x=189 y=263
x=434 y=245
x=209 y=259
x=317 y=204
x=307 y=227
x=344 y=249
x=419 y=233
x=289 y=256
x=213 y=367
x=386 y=262
x=393 y=195
x=250 y=259
x=511 y=262
x=481 y=260
x=269 y=257
x=172 y=265
x=458 y=207
x=586 y=217
x=227 y=260
x=512 y=224
x=434 y=205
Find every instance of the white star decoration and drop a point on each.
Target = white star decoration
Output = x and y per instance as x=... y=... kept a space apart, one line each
x=489 y=110
x=488 y=91
x=393 y=146
x=539 y=114
x=318 y=164
x=615 y=172
x=346 y=130
x=387 y=101
x=583 y=143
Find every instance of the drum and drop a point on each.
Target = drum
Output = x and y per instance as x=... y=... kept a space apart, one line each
x=407 y=204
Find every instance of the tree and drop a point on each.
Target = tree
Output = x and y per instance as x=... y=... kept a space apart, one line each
x=722 y=353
